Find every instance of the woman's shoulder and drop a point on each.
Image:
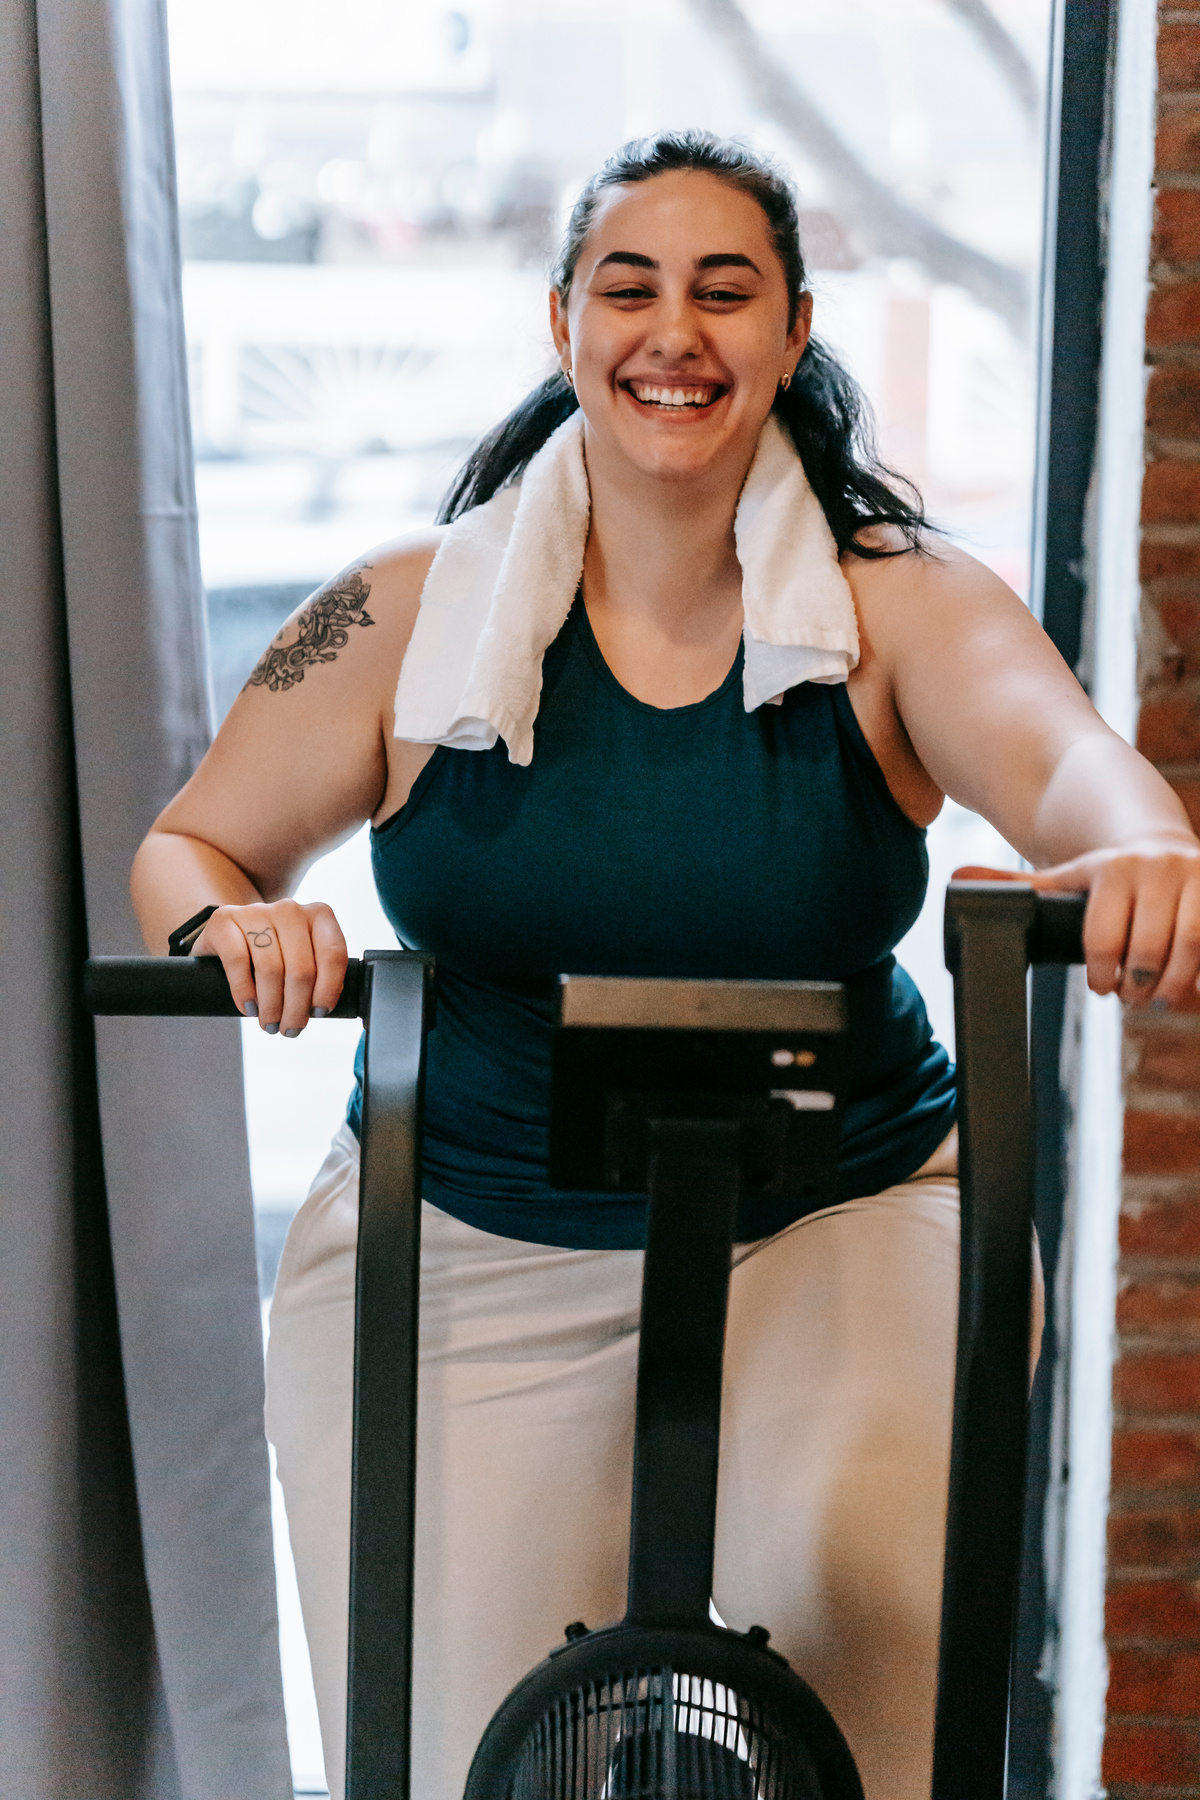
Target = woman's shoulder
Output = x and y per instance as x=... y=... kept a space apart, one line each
x=392 y=575
x=348 y=639
x=910 y=598
x=894 y=569
x=381 y=590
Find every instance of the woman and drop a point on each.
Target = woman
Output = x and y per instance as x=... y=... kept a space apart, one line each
x=718 y=758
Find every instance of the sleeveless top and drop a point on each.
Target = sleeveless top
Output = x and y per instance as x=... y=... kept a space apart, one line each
x=695 y=840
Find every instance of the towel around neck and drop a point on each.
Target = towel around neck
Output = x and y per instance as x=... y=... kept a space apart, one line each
x=505 y=574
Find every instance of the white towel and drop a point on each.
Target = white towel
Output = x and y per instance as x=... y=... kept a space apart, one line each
x=506 y=573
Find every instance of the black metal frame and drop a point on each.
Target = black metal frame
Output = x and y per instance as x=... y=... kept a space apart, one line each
x=387 y=1294
x=390 y=991
x=994 y=933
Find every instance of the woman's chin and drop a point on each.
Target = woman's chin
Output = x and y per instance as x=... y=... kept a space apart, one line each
x=675 y=451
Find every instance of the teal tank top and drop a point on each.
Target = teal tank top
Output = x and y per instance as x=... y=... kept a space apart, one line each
x=694 y=840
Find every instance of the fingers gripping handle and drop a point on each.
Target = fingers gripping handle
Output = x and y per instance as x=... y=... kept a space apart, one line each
x=993 y=932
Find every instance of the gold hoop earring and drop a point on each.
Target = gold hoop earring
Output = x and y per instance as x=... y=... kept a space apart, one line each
x=785 y=382
x=570 y=375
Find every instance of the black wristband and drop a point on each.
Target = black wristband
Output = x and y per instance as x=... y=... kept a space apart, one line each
x=184 y=936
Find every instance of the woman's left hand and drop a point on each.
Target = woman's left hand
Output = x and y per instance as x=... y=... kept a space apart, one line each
x=1141 y=932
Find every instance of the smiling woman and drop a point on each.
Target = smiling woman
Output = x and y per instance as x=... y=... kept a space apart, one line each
x=674 y=690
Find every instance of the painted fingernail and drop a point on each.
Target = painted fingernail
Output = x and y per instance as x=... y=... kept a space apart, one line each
x=251 y=1009
x=292 y=1031
x=319 y=1012
x=271 y=1029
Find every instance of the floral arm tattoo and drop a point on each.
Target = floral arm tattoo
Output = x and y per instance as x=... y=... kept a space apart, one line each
x=323 y=627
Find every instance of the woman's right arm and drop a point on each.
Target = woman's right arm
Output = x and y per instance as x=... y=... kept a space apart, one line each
x=299 y=763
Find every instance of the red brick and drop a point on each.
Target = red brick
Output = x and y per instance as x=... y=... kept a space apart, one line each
x=1169 y=729
x=1177 y=224
x=1163 y=1226
x=1178 y=147
x=1171 y=491
x=1154 y=1609
x=1178 y=57
x=1158 y=1382
x=1162 y=1755
x=1160 y=1308
x=1189 y=793
x=1173 y=394
x=1155 y=1459
x=1175 y=601
x=1165 y=1059
x=1161 y=1684
x=1155 y=1540
x=1163 y=561
x=1172 y=316
x=1179 y=614
x=1161 y=1143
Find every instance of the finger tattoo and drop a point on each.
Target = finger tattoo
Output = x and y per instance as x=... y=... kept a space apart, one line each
x=1143 y=977
x=262 y=940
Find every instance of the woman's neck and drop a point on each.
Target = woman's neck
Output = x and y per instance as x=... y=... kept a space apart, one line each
x=662 y=549
x=662 y=583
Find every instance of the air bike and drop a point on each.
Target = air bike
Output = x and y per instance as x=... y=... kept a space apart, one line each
x=696 y=1091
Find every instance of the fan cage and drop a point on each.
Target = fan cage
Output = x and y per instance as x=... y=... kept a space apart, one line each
x=662 y=1734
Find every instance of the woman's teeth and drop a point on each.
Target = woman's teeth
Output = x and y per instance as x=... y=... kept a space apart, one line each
x=671 y=397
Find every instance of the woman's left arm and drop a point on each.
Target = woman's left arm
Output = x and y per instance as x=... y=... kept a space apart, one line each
x=999 y=722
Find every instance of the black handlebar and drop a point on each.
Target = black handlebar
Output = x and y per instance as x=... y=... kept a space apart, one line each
x=192 y=987
x=1052 y=923
x=195 y=986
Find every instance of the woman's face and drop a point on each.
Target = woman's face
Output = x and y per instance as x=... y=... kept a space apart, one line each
x=676 y=328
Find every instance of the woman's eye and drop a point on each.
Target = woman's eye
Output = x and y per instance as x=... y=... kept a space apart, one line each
x=630 y=293
x=722 y=295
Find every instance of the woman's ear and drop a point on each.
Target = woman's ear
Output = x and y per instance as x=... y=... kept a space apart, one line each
x=799 y=334
x=560 y=331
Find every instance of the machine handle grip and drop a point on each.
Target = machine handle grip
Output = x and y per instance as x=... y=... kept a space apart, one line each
x=1056 y=935
x=1051 y=923
x=184 y=986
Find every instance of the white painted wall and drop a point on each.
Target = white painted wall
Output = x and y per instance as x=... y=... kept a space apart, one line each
x=1090 y=1267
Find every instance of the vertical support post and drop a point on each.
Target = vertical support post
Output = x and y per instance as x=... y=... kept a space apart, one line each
x=383 y=1491
x=694 y=1178
x=987 y=949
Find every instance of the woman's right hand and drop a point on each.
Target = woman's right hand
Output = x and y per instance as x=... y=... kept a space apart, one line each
x=285 y=962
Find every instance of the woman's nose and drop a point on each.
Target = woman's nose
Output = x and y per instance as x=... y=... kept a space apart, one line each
x=674 y=331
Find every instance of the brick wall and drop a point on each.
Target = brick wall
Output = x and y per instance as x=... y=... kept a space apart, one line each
x=1152 y=1748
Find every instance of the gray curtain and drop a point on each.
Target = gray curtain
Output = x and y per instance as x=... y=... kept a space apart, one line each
x=138 y=1638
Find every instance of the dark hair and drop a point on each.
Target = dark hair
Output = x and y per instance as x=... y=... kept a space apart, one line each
x=824 y=409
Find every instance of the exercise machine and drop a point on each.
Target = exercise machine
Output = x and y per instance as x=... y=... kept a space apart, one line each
x=994 y=931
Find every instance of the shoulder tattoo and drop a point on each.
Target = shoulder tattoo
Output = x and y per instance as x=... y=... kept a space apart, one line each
x=322 y=629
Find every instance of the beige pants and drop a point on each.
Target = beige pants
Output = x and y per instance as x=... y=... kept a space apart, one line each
x=834 y=1454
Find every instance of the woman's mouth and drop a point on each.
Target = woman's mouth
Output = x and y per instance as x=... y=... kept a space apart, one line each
x=692 y=398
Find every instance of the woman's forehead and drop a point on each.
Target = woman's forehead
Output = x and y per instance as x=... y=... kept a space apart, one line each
x=681 y=214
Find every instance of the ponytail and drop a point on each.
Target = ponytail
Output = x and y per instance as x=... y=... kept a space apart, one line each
x=828 y=419
x=503 y=455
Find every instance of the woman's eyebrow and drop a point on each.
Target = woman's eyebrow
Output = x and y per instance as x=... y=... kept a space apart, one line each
x=632 y=257
x=728 y=259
